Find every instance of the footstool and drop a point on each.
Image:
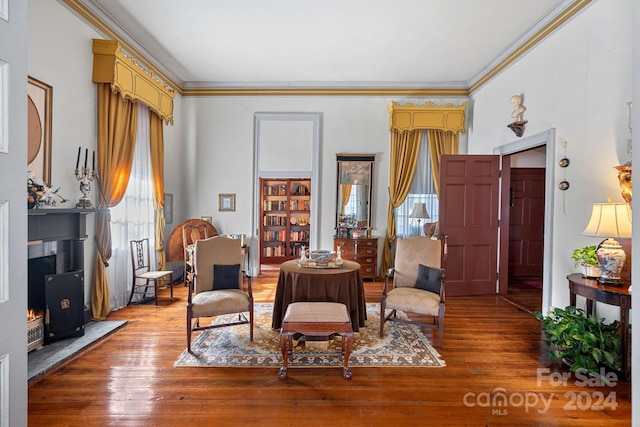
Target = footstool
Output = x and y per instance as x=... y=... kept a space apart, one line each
x=316 y=319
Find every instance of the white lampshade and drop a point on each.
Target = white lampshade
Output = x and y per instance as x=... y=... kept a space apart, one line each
x=419 y=211
x=609 y=220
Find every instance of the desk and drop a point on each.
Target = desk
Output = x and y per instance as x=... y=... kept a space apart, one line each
x=297 y=284
x=612 y=295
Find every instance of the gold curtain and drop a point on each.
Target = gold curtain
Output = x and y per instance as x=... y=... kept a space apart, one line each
x=117 y=123
x=440 y=142
x=156 y=138
x=346 y=193
x=405 y=147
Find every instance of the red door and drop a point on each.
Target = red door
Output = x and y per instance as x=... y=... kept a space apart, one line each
x=526 y=222
x=469 y=193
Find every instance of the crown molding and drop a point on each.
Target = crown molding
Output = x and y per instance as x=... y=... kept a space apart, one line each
x=327 y=91
x=562 y=13
x=100 y=21
x=96 y=17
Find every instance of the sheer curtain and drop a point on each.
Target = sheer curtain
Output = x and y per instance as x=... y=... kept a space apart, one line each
x=133 y=217
x=422 y=190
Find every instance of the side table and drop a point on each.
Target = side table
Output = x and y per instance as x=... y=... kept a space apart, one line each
x=619 y=296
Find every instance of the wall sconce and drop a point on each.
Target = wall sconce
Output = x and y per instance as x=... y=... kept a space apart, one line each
x=419 y=213
x=610 y=220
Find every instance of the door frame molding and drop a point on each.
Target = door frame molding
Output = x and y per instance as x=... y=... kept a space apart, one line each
x=315 y=119
x=547 y=139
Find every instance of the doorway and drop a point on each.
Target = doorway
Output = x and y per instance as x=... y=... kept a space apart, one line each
x=526 y=228
x=536 y=151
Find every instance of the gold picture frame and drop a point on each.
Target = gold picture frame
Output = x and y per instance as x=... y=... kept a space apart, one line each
x=207 y=218
x=39 y=107
x=226 y=202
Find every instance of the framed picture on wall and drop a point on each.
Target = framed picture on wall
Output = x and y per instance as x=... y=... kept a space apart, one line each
x=207 y=218
x=168 y=208
x=39 y=105
x=226 y=202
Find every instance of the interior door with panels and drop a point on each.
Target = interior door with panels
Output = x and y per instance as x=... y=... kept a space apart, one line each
x=469 y=202
x=13 y=208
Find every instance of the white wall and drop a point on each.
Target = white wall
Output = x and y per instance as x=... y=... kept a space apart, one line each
x=578 y=81
x=220 y=148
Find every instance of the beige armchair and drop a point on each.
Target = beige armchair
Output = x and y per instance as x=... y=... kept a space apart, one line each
x=418 y=284
x=217 y=288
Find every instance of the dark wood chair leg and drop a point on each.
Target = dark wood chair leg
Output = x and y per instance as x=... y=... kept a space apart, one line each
x=133 y=288
x=346 y=372
x=189 y=321
x=382 y=319
x=155 y=289
x=285 y=340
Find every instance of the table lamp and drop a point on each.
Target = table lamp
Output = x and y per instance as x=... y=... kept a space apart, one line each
x=419 y=212
x=610 y=220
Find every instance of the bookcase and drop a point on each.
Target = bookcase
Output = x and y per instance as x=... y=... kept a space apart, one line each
x=284 y=218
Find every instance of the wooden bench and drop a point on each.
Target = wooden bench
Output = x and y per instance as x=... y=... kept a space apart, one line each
x=320 y=319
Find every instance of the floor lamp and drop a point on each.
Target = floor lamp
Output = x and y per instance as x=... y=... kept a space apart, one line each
x=419 y=213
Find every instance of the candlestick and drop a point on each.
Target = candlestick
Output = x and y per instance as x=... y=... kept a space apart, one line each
x=86 y=154
x=85 y=176
x=78 y=159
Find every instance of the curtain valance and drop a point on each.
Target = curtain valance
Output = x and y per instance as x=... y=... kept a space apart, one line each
x=112 y=65
x=448 y=118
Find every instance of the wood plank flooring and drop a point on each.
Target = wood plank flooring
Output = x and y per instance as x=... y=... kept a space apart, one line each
x=492 y=348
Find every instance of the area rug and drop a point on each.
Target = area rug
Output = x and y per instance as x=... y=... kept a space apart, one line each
x=402 y=345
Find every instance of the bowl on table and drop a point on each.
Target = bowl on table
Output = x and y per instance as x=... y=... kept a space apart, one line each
x=321 y=257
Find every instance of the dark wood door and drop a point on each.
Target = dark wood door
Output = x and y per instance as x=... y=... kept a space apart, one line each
x=526 y=222
x=469 y=193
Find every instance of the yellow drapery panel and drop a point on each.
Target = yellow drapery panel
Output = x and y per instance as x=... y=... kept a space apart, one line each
x=405 y=147
x=440 y=143
x=156 y=138
x=117 y=123
x=346 y=193
x=112 y=65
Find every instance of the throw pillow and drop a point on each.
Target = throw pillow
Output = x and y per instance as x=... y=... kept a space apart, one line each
x=225 y=276
x=429 y=278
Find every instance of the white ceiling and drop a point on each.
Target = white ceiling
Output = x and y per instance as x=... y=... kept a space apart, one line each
x=330 y=43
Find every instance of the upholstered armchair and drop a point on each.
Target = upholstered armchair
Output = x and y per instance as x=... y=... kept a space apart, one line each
x=217 y=288
x=418 y=285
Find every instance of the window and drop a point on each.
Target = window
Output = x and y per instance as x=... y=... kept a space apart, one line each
x=134 y=217
x=422 y=191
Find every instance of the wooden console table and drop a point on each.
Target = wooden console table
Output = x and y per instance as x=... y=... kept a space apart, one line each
x=612 y=295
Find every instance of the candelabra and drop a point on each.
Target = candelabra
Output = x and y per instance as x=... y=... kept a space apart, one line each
x=86 y=177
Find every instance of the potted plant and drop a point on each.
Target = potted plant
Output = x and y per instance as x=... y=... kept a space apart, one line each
x=587 y=258
x=581 y=341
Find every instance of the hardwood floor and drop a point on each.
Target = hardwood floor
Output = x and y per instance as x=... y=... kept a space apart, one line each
x=491 y=348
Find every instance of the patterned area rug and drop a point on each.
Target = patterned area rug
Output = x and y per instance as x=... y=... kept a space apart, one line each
x=402 y=345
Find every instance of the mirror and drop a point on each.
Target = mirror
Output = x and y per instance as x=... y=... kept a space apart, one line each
x=354 y=194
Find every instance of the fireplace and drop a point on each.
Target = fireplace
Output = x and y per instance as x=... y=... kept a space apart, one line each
x=55 y=275
x=55 y=292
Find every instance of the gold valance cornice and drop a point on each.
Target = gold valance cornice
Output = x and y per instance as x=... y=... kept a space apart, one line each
x=112 y=65
x=448 y=118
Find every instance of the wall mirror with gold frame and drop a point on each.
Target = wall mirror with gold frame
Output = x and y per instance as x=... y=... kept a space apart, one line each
x=354 y=192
